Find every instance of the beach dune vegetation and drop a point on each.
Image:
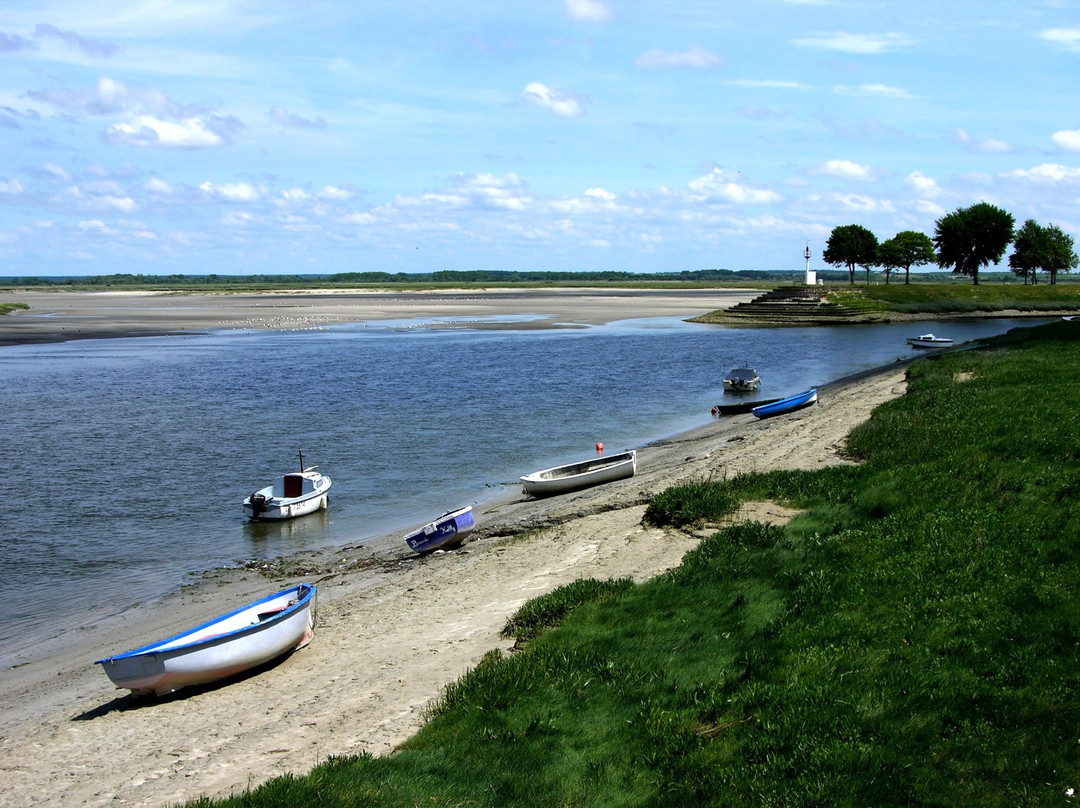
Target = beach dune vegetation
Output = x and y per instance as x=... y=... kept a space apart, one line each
x=910 y=639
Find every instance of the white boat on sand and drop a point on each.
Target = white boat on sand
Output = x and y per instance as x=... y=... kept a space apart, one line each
x=223 y=647
x=572 y=476
x=295 y=494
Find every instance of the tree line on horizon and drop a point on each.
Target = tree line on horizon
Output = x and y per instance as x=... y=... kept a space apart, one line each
x=439 y=277
x=964 y=241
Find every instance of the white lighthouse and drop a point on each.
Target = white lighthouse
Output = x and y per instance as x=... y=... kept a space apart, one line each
x=811 y=274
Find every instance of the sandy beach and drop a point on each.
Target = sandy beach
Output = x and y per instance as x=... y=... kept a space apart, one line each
x=55 y=316
x=393 y=628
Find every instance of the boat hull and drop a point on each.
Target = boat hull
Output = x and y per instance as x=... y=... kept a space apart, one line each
x=742 y=406
x=223 y=647
x=575 y=476
x=741 y=380
x=446 y=532
x=937 y=343
x=929 y=341
x=263 y=504
x=740 y=386
x=789 y=404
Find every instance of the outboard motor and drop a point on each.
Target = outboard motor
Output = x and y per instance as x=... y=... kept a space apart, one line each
x=258 y=505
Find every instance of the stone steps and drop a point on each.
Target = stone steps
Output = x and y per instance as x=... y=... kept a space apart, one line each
x=792 y=304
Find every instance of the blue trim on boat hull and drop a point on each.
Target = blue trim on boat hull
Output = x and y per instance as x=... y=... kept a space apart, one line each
x=447 y=531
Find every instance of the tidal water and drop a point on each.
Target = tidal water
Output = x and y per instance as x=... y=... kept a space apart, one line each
x=127 y=459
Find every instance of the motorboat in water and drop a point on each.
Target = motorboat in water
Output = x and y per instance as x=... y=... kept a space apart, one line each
x=741 y=380
x=294 y=494
x=929 y=341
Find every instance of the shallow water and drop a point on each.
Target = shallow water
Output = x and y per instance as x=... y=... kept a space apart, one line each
x=129 y=458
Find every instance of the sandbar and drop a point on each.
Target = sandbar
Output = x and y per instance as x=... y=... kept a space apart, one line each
x=54 y=316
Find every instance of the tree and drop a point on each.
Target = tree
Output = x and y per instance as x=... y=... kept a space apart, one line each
x=1047 y=248
x=905 y=250
x=1028 y=248
x=970 y=238
x=850 y=245
x=1061 y=257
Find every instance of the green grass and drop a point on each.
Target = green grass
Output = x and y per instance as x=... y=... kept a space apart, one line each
x=927 y=298
x=7 y=308
x=910 y=639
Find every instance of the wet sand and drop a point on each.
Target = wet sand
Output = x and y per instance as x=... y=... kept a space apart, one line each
x=66 y=315
x=393 y=628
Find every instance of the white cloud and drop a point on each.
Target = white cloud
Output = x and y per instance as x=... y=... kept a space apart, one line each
x=861 y=202
x=921 y=184
x=882 y=90
x=1068 y=139
x=694 y=56
x=1047 y=172
x=95 y=225
x=156 y=185
x=845 y=169
x=768 y=84
x=331 y=192
x=1068 y=38
x=559 y=103
x=990 y=146
x=286 y=118
x=56 y=172
x=600 y=193
x=95 y=48
x=124 y=204
x=147 y=130
x=590 y=10
x=854 y=43
x=720 y=185
x=10 y=187
x=232 y=192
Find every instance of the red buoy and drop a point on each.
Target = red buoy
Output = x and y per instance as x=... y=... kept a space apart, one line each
x=599 y=446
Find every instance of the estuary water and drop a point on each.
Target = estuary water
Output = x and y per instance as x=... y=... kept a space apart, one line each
x=128 y=458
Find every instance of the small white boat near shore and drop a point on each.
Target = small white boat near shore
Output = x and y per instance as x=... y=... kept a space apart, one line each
x=291 y=495
x=222 y=647
x=742 y=380
x=929 y=341
x=572 y=476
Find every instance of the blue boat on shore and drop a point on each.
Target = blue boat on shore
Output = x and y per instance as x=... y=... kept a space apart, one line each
x=446 y=532
x=789 y=404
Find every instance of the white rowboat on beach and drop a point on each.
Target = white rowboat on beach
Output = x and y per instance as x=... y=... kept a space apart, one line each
x=223 y=647
x=572 y=476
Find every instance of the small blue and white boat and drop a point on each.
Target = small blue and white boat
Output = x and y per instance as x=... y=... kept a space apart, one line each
x=223 y=647
x=445 y=533
x=789 y=404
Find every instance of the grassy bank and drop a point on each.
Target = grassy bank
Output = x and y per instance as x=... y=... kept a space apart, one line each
x=910 y=639
x=985 y=298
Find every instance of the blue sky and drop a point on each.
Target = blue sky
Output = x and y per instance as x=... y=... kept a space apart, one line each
x=312 y=136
